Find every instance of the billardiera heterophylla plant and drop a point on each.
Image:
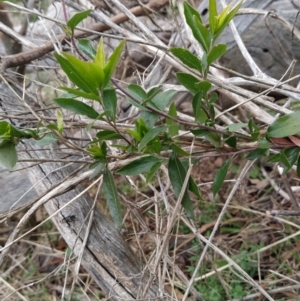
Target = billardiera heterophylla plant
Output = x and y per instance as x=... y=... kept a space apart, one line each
x=148 y=143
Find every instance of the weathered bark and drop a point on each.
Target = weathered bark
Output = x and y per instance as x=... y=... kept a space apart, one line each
x=107 y=257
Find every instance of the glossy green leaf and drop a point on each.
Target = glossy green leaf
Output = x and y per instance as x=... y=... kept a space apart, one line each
x=87 y=48
x=150 y=118
x=203 y=86
x=231 y=141
x=213 y=13
x=110 y=103
x=194 y=188
x=202 y=35
x=298 y=167
x=91 y=72
x=263 y=143
x=200 y=132
x=80 y=93
x=98 y=168
x=112 y=62
x=285 y=126
x=284 y=160
x=152 y=93
x=153 y=170
x=188 y=81
x=225 y=17
x=8 y=131
x=173 y=125
x=77 y=77
x=150 y=135
x=108 y=135
x=162 y=99
x=197 y=104
x=189 y=13
x=8 y=155
x=213 y=97
x=100 y=54
x=96 y=151
x=220 y=177
x=179 y=151
x=77 y=18
x=137 y=92
x=177 y=174
x=216 y=52
x=139 y=166
x=274 y=158
x=112 y=198
x=187 y=58
x=60 y=121
x=77 y=107
x=257 y=153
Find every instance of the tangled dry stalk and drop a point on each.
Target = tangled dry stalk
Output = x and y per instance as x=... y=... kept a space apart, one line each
x=149 y=259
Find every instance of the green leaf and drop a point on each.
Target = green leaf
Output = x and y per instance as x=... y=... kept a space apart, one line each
x=86 y=46
x=197 y=104
x=112 y=62
x=257 y=153
x=139 y=166
x=274 y=158
x=178 y=150
x=8 y=155
x=284 y=160
x=285 y=126
x=220 y=177
x=231 y=141
x=108 y=135
x=298 y=167
x=213 y=13
x=188 y=81
x=77 y=107
x=263 y=143
x=202 y=35
x=80 y=93
x=46 y=140
x=216 y=52
x=189 y=13
x=149 y=118
x=98 y=168
x=110 y=103
x=173 y=126
x=224 y=18
x=150 y=135
x=112 y=198
x=194 y=189
x=203 y=86
x=236 y=126
x=200 y=132
x=137 y=92
x=96 y=151
x=8 y=131
x=177 y=174
x=161 y=100
x=77 y=18
x=153 y=170
x=152 y=93
x=76 y=73
x=100 y=55
x=187 y=58
x=60 y=121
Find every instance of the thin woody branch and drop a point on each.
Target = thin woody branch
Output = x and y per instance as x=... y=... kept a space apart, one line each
x=28 y=56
